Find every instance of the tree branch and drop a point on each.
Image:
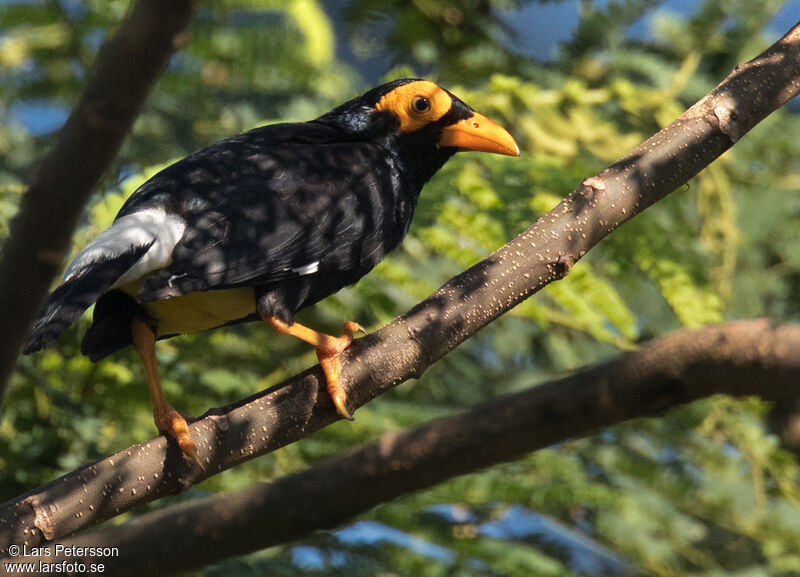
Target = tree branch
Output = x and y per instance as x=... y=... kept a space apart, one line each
x=127 y=66
x=407 y=346
x=740 y=358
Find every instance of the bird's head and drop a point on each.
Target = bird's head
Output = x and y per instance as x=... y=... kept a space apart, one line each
x=420 y=122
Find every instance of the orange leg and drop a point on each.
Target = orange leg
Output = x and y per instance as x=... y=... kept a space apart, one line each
x=328 y=350
x=168 y=420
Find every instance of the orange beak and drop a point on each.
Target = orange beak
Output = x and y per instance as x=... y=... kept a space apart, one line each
x=480 y=134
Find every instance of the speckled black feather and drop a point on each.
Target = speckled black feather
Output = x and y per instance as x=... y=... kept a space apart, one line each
x=262 y=208
x=340 y=191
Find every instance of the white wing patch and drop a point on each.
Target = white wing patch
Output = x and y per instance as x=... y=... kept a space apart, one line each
x=138 y=229
x=309 y=268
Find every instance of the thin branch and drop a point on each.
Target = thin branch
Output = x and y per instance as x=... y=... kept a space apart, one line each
x=411 y=343
x=741 y=358
x=127 y=67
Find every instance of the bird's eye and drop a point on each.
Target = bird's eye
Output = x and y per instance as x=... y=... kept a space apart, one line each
x=420 y=104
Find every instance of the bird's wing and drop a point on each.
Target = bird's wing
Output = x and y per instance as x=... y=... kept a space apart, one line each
x=256 y=214
x=169 y=213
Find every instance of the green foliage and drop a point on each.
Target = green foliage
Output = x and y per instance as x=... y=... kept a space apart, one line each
x=704 y=491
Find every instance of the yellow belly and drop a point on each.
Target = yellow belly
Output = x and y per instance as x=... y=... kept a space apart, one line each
x=199 y=311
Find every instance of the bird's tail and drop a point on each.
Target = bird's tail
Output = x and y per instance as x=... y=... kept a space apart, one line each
x=78 y=291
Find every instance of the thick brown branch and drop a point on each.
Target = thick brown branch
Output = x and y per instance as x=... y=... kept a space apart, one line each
x=408 y=345
x=126 y=68
x=743 y=358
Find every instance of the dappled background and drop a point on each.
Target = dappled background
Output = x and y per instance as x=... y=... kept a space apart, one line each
x=707 y=490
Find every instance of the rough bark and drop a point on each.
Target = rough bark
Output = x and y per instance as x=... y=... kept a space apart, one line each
x=741 y=358
x=407 y=346
x=127 y=66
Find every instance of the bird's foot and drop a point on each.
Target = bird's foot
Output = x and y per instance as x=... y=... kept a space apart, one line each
x=171 y=422
x=328 y=352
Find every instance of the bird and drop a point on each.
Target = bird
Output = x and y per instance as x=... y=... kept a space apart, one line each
x=261 y=225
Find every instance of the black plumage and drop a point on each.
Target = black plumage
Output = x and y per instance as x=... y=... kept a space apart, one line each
x=266 y=210
x=339 y=190
x=267 y=222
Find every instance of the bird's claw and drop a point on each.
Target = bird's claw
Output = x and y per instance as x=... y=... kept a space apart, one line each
x=170 y=422
x=190 y=450
x=340 y=400
x=351 y=328
x=332 y=366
